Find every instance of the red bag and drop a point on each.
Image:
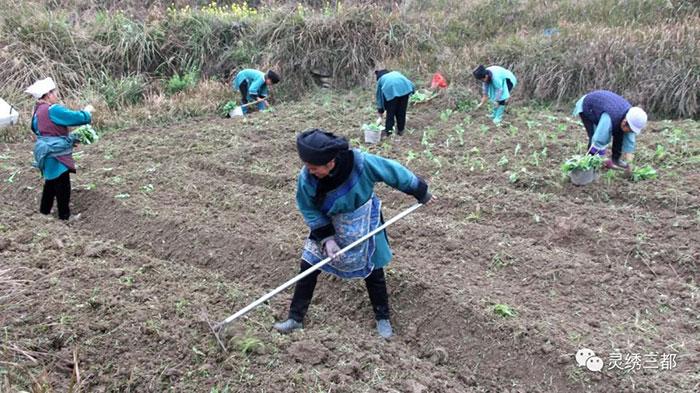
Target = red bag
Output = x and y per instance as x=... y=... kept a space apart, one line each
x=438 y=81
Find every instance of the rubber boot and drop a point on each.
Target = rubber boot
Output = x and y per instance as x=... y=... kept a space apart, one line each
x=288 y=326
x=384 y=328
x=498 y=114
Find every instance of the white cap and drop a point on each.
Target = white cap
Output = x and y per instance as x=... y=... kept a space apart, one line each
x=636 y=119
x=41 y=87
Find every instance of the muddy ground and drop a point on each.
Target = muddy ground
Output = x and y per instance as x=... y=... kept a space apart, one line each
x=190 y=222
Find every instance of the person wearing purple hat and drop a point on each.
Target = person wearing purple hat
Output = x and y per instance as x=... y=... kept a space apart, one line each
x=335 y=195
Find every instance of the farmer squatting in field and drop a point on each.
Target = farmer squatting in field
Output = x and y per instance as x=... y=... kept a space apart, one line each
x=606 y=115
x=254 y=86
x=335 y=194
x=54 y=144
x=497 y=84
x=393 y=91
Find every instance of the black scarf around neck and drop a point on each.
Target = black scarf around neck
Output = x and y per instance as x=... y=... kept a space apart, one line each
x=344 y=163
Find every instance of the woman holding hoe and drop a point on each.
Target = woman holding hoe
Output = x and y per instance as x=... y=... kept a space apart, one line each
x=335 y=195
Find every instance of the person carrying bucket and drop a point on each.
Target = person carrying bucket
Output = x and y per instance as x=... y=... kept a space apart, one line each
x=335 y=195
x=54 y=144
x=254 y=86
x=497 y=85
x=606 y=116
x=393 y=91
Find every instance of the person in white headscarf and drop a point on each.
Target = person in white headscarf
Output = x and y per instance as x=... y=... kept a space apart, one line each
x=609 y=117
x=54 y=145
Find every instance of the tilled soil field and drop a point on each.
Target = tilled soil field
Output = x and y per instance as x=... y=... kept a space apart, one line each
x=188 y=223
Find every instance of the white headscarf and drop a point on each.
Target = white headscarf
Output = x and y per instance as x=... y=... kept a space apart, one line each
x=41 y=87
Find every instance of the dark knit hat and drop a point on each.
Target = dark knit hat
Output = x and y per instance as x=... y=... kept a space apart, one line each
x=479 y=72
x=381 y=73
x=272 y=75
x=319 y=147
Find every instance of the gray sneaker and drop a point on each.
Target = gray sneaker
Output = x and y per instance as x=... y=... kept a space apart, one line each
x=621 y=164
x=288 y=326
x=384 y=328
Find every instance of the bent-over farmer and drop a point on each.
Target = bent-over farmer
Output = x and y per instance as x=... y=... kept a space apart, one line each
x=254 y=86
x=54 y=144
x=393 y=92
x=335 y=194
x=606 y=116
x=497 y=85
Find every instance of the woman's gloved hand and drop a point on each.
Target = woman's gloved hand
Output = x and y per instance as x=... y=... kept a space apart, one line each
x=421 y=193
x=426 y=198
x=594 y=150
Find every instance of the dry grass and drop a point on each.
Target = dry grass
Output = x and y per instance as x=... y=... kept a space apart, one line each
x=656 y=67
x=645 y=50
x=9 y=286
x=156 y=108
x=345 y=46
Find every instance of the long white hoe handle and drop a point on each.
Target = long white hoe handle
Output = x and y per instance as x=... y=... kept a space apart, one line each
x=253 y=103
x=313 y=268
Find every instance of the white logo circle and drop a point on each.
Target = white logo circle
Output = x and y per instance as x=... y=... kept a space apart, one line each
x=582 y=355
x=594 y=363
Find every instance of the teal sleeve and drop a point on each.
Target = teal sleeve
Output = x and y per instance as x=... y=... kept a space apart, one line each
x=63 y=116
x=313 y=217
x=603 y=132
x=629 y=142
x=255 y=88
x=380 y=97
x=35 y=126
x=264 y=92
x=578 y=108
x=391 y=173
x=498 y=94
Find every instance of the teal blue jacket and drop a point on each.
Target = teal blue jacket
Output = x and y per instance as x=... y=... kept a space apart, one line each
x=50 y=167
x=256 y=82
x=46 y=149
x=392 y=85
x=368 y=169
x=497 y=88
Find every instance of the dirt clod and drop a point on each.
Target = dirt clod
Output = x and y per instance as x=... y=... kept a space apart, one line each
x=308 y=352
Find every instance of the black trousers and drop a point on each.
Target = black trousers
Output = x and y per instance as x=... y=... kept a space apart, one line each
x=396 y=111
x=243 y=88
x=590 y=129
x=58 y=188
x=509 y=83
x=617 y=135
x=304 y=291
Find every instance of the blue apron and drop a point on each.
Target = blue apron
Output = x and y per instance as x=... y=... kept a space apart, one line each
x=349 y=227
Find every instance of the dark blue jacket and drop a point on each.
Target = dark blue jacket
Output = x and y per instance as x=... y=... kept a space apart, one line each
x=602 y=101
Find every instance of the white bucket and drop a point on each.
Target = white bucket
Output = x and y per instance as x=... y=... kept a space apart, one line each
x=373 y=136
x=8 y=114
x=581 y=178
x=237 y=111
